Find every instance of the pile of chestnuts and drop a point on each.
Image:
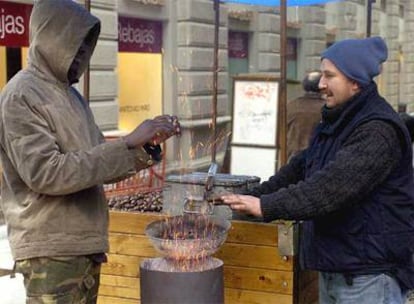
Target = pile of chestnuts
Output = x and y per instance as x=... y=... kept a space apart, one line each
x=137 y=202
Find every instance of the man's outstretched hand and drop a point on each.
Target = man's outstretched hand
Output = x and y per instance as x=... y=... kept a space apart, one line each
x=243 y=203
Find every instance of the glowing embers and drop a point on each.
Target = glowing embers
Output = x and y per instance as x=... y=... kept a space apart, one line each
x=187 y=265
x=188 y=236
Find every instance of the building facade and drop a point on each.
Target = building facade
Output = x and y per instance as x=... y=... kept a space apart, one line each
x=179 y=73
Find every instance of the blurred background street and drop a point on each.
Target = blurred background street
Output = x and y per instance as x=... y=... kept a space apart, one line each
x=11 y=289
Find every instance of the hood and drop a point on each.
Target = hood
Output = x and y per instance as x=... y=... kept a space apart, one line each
x=58 y=29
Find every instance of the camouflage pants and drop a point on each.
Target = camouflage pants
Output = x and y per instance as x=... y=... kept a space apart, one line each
x=60 y=280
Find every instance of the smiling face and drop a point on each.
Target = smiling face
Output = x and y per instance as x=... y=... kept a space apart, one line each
x=335 y=86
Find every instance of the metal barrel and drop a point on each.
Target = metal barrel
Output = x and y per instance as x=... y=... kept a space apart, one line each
x=201 y=287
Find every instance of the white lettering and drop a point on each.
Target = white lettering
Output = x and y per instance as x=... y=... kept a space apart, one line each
x=10 y=24
x=1 y=24
x=20 y=25
x=139 y=36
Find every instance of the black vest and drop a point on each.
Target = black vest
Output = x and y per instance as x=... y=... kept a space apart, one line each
x=377 y=234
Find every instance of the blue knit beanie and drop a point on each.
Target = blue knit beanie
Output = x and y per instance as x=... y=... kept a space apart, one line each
x=358 y=59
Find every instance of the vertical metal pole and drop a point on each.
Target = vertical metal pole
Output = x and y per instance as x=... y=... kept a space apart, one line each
x=86 y=76
x=282 y=121
x=215 y=78
x=369 y=16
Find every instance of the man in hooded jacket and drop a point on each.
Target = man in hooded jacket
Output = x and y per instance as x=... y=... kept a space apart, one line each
x=55 y=159
x=352 y=187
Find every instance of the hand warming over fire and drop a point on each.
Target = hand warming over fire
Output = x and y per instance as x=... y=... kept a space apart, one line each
x=153 y=131
x=243 y=203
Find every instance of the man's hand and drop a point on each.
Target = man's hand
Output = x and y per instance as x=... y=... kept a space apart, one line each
x=153 y=131
x=243 y=203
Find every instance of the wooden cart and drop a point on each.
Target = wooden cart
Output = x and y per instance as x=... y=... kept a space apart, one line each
x=254 y=270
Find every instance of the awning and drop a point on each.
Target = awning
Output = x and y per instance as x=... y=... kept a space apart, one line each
x=277 y=2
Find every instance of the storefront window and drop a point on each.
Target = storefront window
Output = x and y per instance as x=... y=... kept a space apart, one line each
x=139 y=70
x=238 y=50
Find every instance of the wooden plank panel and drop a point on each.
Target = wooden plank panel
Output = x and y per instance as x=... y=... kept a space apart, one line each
x=122 y=265
x=258 y=280
x=253 y=256
x=111 y=295
x=131 y=291
x=253 y=233
x=112 y=300
x=119 y=286
x=240 y=232
x=231 y=254
x=131 y=244
x=239 y=296
x=130 y=222
x=119 y=292
x=231 y=295
x=112 y=280
x=234 y=277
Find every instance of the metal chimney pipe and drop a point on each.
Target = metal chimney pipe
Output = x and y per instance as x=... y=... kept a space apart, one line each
x=369 y=16
x=215 y=78
x=282 y=121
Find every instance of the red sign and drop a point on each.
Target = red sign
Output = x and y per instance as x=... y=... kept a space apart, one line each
x=14 y=24
x=238 y=44
x=139 y=35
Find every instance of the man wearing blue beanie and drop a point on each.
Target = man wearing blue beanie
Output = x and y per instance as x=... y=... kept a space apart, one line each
x=358 y=59
x=352 y=188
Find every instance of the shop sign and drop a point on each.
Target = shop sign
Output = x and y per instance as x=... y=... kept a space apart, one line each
x=14 y=24
x=238 y=44
x=277 y=2
x=139 y=35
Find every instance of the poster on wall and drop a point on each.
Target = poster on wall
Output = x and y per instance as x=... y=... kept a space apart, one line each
x=255 y=112
x=254 y=148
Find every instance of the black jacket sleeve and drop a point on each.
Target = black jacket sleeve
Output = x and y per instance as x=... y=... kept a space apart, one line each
x=367 y=157
x=291 y=173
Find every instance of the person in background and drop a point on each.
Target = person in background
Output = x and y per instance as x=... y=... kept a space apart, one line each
x=352 y=188
x=304 y=114
x=409 y=123
x=55 y=159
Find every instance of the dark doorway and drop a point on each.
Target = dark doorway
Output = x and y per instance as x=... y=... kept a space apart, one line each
x=14 y=61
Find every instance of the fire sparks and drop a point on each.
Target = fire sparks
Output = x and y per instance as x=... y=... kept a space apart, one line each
x=188 y=241
x=172 y=265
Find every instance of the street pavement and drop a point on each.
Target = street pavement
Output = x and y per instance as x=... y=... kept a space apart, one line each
x=11 y=289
